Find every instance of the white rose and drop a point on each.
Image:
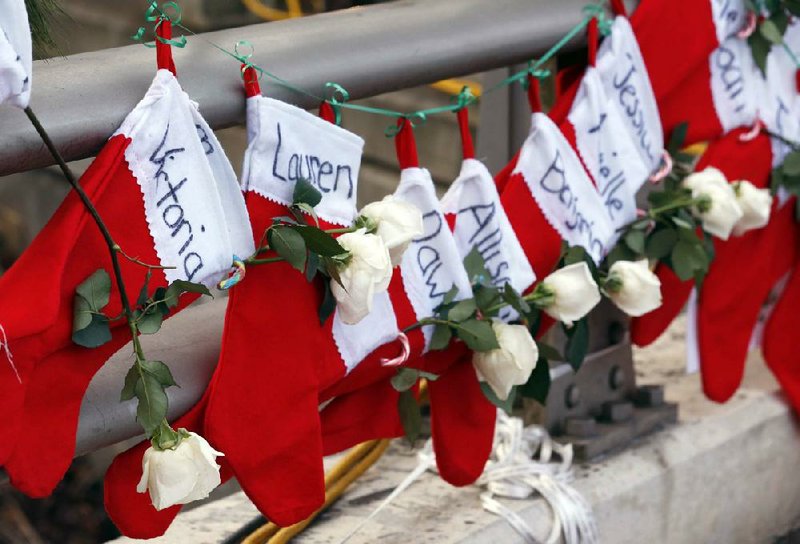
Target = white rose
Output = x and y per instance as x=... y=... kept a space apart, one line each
x=633 y=287
x=368 y=271
x=512 y=363
x=755 y=204
x=397 y=223
x=721 y=211
x=572 y=293
x=187 y=473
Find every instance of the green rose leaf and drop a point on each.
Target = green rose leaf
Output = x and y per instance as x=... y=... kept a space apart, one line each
x=319 y=241
x=440 y=338
x=659 y=244
x=478 y=335
x=538 y=385
x=791 y=164
x=95 y=334
x=771 y=32
x=150 y=323
x=96 y=290
x=289 y=245
x=475 y=266
x=410 y=415
x=405 y=379
x=160 y=371
x=178 y=287
x=462 y=311
x=577 y=343
x=505 y=405
x=305 y=193
x=153 y=403
x=546 y=351
x=635 y=240
x=131 y=379
x=328 y=305
x=513 y=299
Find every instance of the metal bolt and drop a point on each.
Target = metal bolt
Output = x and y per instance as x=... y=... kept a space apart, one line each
x=572 y=396
x=616 y=378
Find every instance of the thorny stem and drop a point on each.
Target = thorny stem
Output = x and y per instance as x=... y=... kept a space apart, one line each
x=113 y=248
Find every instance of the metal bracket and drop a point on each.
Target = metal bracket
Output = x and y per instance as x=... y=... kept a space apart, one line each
x=600 y=408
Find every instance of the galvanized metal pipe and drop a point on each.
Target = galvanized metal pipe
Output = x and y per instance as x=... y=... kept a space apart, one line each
x=82 y=99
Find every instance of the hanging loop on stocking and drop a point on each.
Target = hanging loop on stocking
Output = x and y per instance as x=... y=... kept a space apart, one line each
x=405 y=144
x=339 y=96
x=464 y=99
x=163 y=47
x=618 y=8
x=534 y=91
x=594 y=40
x=753 y=133
x=160 y=16
x=405 y=352
x=665 y=170
x=250 y=75
x=749 y=28
x=236 y=275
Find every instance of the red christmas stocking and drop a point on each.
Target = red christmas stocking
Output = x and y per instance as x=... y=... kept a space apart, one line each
x=723 y=110
x=738 y=160
x=162 y=148
x=133 y=512
x=691 y=28
x=719 y=96
x=730 y=300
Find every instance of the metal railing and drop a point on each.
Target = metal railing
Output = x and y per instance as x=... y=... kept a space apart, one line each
x=82 y=99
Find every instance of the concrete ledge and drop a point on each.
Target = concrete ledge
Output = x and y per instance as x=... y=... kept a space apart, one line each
x=723 y=474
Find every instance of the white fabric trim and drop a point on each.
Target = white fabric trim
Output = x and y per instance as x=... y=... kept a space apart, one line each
x=732 y=87
x=730 y=16
x=194 y=210
x=481 y=223
x=431 y=265
x=355 y=342
x=561 y=188
x=16 y=57
x=608 y=153
x=286 y=143
x=627 y=84
x=780 y=105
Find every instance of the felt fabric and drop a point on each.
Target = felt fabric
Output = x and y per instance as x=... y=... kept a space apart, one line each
x=691 y=38
x=721 y=95
x=163 y=136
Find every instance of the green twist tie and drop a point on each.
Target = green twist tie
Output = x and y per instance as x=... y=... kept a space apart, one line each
x=156 y=14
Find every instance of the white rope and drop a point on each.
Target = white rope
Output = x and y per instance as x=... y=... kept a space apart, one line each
x=522 y=463
x=9 y=356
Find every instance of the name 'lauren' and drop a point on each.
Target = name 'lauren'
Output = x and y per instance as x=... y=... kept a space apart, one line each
x=323 y=174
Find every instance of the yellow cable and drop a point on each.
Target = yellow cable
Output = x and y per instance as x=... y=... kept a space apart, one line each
x=346 y=470
x=272 y=14
x=354 y=463
x=332 y=495
x=454 y=86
